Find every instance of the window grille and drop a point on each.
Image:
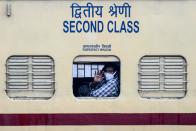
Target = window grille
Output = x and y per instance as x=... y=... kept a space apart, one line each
x=85 y=70
x=30 y=77
x=162 y=77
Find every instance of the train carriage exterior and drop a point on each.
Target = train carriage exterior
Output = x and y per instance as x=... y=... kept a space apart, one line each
x=52 y=49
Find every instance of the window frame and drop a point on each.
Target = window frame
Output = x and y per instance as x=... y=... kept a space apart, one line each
x=100 y=56
x=31 y=89
x=163 y=89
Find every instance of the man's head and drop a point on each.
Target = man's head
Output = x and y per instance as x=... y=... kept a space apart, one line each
x=109 y=71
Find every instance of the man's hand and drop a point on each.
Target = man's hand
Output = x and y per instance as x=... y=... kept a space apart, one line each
x=98 y=76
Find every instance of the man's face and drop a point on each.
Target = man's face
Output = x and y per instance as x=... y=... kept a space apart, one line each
x=109 y=73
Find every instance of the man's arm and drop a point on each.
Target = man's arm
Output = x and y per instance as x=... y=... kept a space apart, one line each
x=97 y=79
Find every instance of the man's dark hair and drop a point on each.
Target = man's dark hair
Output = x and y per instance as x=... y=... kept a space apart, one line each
x=113 y=65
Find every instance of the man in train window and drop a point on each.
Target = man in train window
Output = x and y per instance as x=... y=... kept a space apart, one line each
x=105 y=82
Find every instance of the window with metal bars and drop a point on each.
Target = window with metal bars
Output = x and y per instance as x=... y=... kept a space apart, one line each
x=162 y=77
x=30 y=77
x=84 y=70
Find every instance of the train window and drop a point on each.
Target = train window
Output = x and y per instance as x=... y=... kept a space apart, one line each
x=30 y=77
x=162 y=77
x=96 y=76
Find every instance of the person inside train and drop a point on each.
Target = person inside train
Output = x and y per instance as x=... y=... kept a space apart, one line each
x=105 y=82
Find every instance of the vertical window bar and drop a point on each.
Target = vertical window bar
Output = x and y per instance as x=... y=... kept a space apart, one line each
x=91 y=71
x=77 y=70
x=30 y=70
x=161 y=82
x=84 y=70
